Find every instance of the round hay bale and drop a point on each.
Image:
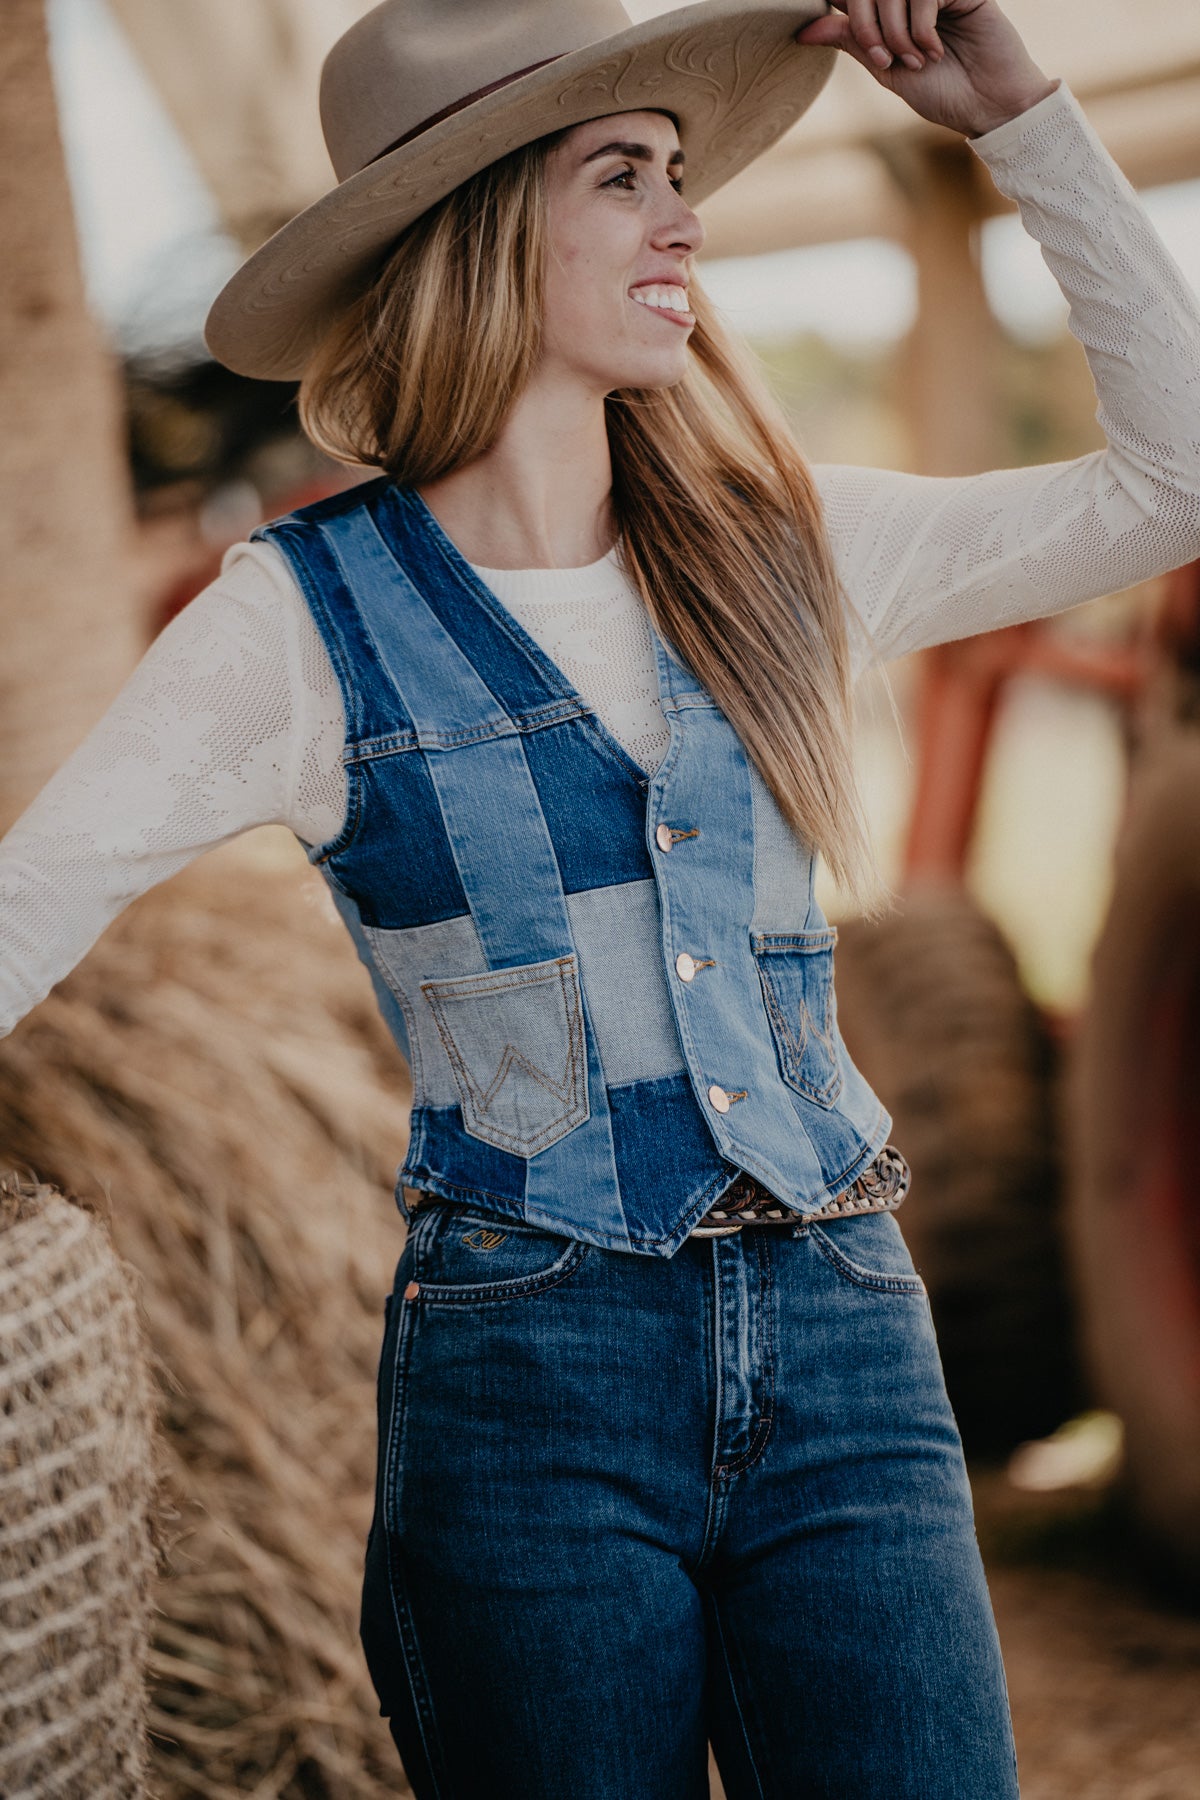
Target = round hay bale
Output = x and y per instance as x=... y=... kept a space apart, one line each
x=77 y=1552
x=218 y=1065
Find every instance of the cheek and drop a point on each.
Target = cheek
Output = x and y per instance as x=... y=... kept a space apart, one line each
x=581 y=291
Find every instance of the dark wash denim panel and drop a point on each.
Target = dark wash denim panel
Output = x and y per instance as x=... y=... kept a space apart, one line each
x=495 y=826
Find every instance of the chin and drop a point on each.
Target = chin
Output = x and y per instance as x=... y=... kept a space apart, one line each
x=657 y=372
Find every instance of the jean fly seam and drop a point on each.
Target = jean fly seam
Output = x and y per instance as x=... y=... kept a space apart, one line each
x=737 y=1464
x=762 y=1435
x=716 y=1506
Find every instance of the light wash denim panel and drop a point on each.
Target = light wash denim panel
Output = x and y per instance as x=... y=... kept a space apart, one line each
x=500 y=873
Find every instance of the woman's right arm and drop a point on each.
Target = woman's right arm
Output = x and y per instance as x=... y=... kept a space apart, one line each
x=231 y=719
x=930 y=558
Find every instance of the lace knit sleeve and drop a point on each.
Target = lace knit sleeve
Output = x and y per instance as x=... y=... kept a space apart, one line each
x=926 y=558
x=231 y=719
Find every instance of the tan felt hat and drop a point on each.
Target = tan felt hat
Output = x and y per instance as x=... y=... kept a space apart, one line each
x=421 y=94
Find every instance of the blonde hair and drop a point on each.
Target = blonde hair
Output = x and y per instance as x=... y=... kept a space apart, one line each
x=720 y=521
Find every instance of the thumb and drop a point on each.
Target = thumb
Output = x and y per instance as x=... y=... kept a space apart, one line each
x=831 y=28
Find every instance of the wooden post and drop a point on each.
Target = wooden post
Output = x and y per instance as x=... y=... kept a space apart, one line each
x=68 y=616
x=950 y=395
x=952 y=405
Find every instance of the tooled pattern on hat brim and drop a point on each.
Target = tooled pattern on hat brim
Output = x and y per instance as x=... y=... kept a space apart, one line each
x=745 y=111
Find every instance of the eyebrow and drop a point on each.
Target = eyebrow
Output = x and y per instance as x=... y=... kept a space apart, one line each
x=635 y=153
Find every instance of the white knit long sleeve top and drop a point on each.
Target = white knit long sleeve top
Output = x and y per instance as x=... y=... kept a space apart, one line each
x=233 y=717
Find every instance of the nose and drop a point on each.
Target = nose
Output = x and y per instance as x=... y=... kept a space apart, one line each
x=679 y=229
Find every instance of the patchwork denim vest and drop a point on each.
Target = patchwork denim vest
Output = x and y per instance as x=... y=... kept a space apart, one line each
x=614 y=990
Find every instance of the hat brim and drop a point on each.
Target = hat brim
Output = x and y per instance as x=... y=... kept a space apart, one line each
x=730 y=74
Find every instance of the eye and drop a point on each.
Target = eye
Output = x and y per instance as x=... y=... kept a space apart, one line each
x=630 y=175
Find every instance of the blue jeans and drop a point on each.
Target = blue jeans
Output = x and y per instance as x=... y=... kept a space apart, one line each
x=628 y=1504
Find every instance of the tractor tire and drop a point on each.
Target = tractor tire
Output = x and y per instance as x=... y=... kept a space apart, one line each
x=1132 y=1126
x=933 y=1012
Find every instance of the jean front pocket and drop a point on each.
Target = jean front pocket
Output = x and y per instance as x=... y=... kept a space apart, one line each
x=796 y=972
x=515 y=1040
x=466 y=1258
x=868 y=1251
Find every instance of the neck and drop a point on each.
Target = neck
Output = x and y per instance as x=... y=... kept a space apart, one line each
x=541 y=496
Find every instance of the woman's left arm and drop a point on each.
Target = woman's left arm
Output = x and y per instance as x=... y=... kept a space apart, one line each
x=927 y=558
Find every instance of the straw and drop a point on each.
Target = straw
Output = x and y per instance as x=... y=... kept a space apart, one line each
x=77 y=1558
x=216 y=1081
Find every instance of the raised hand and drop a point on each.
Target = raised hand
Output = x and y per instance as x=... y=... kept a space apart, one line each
x=959 y=63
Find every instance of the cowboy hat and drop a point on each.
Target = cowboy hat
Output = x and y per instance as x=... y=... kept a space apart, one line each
x=421 y=94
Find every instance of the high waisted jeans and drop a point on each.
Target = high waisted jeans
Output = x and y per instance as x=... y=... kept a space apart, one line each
x=627 y=1504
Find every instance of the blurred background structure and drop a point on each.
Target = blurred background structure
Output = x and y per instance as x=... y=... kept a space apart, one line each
x=1037 y=996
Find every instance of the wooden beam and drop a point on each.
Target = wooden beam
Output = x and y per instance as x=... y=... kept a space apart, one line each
x=827 y=189
x=948 y=359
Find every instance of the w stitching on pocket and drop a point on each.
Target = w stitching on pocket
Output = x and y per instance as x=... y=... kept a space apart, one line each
x=868 y=1278
x=570 y=1091
x=791 y=1045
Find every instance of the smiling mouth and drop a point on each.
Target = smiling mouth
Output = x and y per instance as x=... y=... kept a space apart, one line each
x=666 y=299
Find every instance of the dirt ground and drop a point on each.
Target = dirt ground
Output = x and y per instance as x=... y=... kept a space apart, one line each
x=1103 y=1657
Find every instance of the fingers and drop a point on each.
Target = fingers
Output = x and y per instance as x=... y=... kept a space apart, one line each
x=922 y=23
x=864 y=16
x=879 y=31
x=923 y=26
x=894 y=29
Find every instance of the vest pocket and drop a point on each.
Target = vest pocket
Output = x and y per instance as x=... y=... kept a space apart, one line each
x=515 y=1042
x=796 y=972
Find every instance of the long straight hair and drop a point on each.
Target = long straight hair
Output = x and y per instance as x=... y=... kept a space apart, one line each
x=720 y=521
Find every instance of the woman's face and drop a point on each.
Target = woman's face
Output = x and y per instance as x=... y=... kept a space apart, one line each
x=621 y=242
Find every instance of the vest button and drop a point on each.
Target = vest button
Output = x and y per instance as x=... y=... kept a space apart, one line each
x=718 y=1099
x=662 y=837
x=685 y=966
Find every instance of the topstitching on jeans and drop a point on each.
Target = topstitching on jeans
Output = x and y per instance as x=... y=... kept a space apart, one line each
x=866 y=1278
x=406 y=1637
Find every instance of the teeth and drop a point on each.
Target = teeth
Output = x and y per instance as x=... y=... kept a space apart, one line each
x=671 y=299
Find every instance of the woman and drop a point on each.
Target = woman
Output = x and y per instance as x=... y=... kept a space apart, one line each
x=560 y=705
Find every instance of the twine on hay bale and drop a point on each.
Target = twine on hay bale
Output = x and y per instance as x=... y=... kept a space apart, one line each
x=77 y=1545
x=218 y=1064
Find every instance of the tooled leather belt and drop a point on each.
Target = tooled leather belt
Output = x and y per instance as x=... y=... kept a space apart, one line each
x=880 y=1188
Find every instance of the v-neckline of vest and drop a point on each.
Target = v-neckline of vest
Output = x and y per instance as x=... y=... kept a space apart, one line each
x=551 y=673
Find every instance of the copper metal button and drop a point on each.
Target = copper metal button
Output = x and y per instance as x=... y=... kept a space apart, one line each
x=685 y=966
x=412 y=1290
x=662 y=837
x=718 y=1098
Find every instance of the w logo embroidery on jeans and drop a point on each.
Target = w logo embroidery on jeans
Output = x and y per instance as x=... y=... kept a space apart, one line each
x=515 y=1041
